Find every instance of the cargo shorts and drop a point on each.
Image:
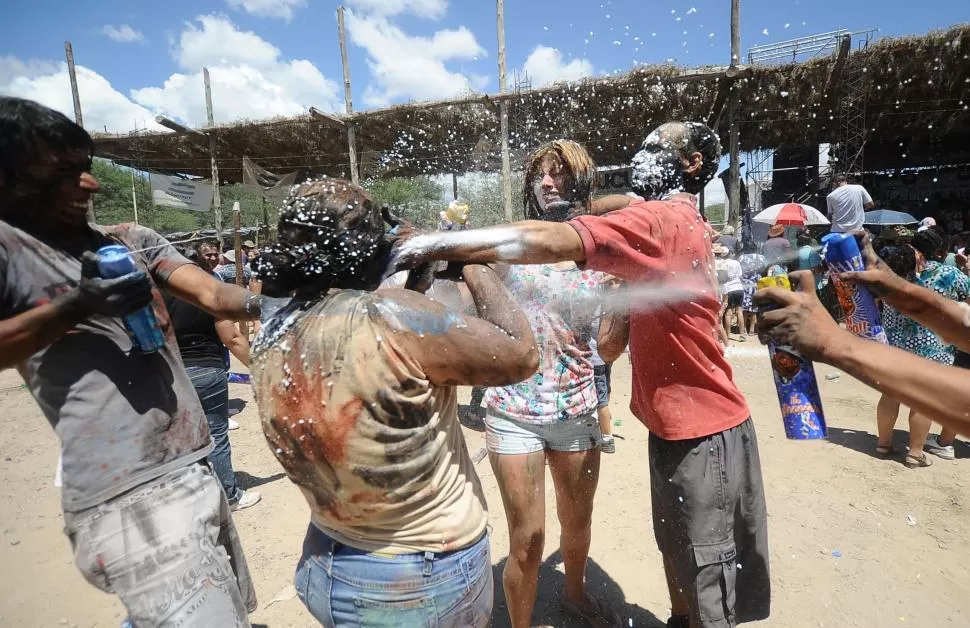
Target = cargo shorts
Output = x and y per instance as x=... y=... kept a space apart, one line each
x=710 y=522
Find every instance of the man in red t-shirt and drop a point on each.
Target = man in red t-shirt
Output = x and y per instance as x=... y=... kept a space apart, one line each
x=708 y=501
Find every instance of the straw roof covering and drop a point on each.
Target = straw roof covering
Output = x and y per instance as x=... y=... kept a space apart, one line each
x=917 y=92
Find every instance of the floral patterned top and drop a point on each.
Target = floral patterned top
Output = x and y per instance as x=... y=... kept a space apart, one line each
x=560 y=301
x=905 y=333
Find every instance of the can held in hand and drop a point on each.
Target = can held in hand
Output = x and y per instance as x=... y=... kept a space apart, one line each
x=795 y=383
x=841 y=252
x=115 y=261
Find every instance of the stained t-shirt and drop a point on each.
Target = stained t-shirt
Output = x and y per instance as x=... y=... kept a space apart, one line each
x=375 y=447
x=682 y=384
x=560 y=301
x=123 y=417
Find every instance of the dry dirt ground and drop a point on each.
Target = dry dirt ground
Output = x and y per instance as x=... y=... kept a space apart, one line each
x=855 y=540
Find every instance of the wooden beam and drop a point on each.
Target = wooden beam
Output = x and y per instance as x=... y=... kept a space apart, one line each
x=72 y=74
x=348 y=97
x=504 y=114
x=734 y=104
x=833 y=86
x=316 y=113
x=723 y=91
x=213 y=164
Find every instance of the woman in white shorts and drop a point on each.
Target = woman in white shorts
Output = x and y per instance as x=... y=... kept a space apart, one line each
x=550 y=417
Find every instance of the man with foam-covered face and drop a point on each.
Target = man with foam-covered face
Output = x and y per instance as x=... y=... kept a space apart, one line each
x=683 y=390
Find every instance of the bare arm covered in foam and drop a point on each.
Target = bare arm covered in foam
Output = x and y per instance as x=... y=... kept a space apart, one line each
x=526 y=242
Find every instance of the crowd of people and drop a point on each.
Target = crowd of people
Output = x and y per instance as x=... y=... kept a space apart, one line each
x=356 y=378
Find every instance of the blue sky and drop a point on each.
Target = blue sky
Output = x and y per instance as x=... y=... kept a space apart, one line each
x=278 y=57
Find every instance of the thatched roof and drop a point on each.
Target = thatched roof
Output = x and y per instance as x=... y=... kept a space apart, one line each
x=917 y=105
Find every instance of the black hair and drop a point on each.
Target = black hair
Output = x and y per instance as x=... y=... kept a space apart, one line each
x=901 y=259
x=330 y=235
x=932 y=243
x=839 y=178
x=749 y=246
x=804 y=238
x=701 y=139
x=658 y=168
x=30 y=131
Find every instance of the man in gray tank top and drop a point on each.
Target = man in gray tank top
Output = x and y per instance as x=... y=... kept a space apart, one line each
x=147 y=519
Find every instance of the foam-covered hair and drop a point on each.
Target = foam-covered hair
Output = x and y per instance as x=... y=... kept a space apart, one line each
x=330 y=235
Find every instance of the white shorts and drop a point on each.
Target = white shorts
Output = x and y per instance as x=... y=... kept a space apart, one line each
x=506 y=436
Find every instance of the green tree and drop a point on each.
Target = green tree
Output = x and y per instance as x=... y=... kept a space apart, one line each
x=113 y=203
x=417 y=199
x=483 y=193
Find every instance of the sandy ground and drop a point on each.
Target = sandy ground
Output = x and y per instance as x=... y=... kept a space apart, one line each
x=855 y=541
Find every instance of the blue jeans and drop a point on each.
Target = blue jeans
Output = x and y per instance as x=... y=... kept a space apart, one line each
x=343 y=586
x=212 y=386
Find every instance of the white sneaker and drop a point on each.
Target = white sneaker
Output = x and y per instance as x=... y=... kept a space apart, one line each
x=247 y=499
x=233 y=425
x=934 y=447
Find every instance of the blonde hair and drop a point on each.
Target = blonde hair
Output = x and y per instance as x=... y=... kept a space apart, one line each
x=579 y=166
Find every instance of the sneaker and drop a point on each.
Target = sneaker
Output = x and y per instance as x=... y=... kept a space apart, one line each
x=934 y=447
x=247 y=499
x=607 y=445
x=233 y=425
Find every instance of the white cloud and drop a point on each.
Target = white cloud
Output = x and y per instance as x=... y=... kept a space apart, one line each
x=124 y=33
x=405 y=67
x=278 y=9
x=545 y=66
x=249 y=76
x=48 y=83
x=431 y=9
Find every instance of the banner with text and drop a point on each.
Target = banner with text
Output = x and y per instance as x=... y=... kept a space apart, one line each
x=181 y=193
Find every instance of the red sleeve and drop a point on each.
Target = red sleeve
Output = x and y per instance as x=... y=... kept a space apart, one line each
x=627 y=243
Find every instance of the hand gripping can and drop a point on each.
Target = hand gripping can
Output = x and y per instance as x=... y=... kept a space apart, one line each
x=842 y=255
x=801 y=404
x=114 y=261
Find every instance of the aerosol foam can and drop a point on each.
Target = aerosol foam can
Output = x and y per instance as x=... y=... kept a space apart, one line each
x=115 y=261
x=794 y=375
x=841 y=252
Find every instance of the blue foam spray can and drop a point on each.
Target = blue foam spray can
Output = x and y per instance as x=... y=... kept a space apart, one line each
x=114 y=261
x=795 y=383
x=841 y=253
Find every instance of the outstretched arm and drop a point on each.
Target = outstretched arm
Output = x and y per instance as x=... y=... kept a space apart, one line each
x=947 y=318
x=525 y=242
x=936 y=390
x=223 y=300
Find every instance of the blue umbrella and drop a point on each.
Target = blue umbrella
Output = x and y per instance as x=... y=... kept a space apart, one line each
x=883 y=217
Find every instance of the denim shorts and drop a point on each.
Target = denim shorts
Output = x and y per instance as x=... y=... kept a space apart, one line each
x=508 y=437
x=601 y=378
x=344 y=586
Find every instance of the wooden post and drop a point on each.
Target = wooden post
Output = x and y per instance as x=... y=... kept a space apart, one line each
x=454 y=186
x=72 y=73
x=216 y=197
x=503 y=107
x=237 y=246
x=134 y=199
x=348 y=98
x=237 y=241
x=734 y=172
